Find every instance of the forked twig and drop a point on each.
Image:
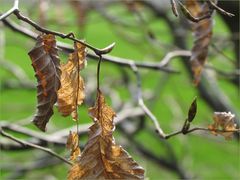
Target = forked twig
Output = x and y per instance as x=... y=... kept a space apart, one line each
x=10 y=11
x=142 y=104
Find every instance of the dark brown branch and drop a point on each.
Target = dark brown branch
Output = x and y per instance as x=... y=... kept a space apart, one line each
x=39 y=163
x=214 y=6
x=27 y=144
x=15 y=10
x=31 y=133
x=112 y=59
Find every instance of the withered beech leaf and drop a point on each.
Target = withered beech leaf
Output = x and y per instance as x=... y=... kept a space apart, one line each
x=192 y=110
x=73 y=145
x=71 y=93
x=223 y=122
x=46 y=64
x=101 y=157
x=202 y=32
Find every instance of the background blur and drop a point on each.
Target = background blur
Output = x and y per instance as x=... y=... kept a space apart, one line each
x=146 y=32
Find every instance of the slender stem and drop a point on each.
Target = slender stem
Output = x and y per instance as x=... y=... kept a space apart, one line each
x=174 y=8
x=10 y=11
x=98 y=72
x=28 y=144
x=198 y=129
x=189 y=16
x=142 y=104
x=214 y=6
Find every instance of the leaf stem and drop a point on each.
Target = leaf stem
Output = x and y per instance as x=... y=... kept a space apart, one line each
x=98 y=72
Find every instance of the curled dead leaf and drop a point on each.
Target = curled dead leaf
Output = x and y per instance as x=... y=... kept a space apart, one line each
x=202 y=32
x=223 y=122
x=46 y=64
x=71 y=94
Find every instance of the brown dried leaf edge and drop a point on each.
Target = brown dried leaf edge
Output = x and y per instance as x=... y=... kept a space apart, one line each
x=71 y=94
x=73 y=145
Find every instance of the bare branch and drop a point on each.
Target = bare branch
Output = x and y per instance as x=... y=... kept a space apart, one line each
x=27 y=144
x=214 y=6
x=15 y=10
x=174 y=8
x=189 y=16
x=108 y=58
x=197 y=129
x=10 y=11
x=143 y=106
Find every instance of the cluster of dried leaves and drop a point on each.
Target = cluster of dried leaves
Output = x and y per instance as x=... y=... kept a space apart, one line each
x=62 y=84
x=57 y=83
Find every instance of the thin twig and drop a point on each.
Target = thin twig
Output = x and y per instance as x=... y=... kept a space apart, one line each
x=98 y=72
x=216 y=48
x=214 y=6
x=31 y=133
x=15 y=10
x=142 y=104
x=67 y=36
x=198 y=129
x=59 y=137
x=170 y=163
x=189 y=16
x=174 y=8
x=27 y=144
x=112 y=59
x=10 y=11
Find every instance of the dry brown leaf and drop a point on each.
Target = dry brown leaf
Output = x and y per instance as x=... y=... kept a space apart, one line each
x=73 y=145
x=46 y=64
x=71 y=93
x=102 y=158
x=202 y=31
x=223 y=122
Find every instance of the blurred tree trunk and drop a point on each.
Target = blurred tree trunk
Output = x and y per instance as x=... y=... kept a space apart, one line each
x=233 y=25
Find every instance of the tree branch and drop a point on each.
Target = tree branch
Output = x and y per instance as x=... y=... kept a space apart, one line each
x=15 y=10
x=112 y=59
x=10 y=11
x=27 y=144
x=142 y=104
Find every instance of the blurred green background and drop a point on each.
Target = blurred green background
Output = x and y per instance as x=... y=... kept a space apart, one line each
x=201 y=154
